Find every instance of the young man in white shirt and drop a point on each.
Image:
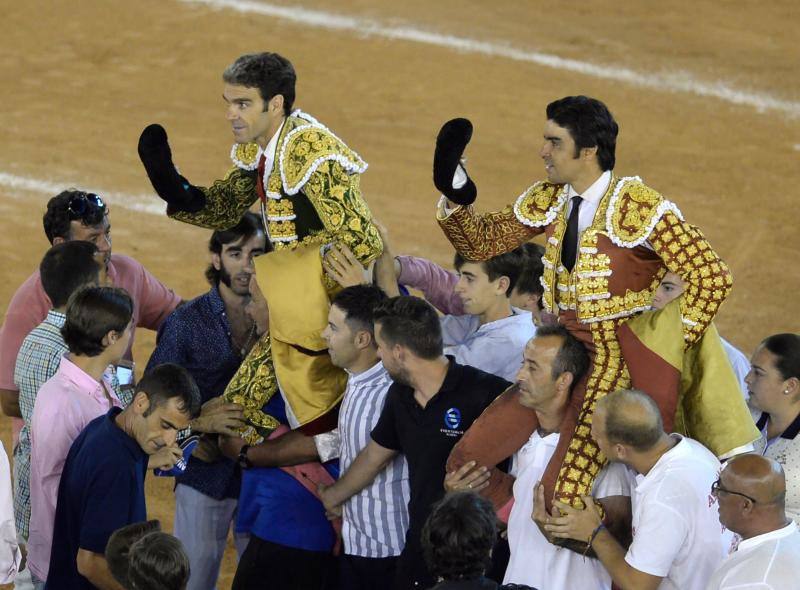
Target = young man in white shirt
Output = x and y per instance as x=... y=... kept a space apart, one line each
x=751 y=491
x=678 y=541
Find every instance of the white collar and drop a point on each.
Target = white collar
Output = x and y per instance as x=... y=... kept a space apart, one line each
x=355 y=378
x=269 y=151
x=594 y=193
x=780 y=533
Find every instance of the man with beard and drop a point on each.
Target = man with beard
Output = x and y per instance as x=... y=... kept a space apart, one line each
x=210 y=336
x=430 y=405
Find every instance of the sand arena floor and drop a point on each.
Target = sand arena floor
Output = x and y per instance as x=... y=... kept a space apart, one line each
x=707 y=95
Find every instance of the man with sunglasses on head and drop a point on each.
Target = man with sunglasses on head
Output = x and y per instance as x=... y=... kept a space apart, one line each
x=77 y=215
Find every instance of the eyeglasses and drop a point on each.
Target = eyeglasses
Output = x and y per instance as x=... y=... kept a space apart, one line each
x=716 y=488
x=81 y=205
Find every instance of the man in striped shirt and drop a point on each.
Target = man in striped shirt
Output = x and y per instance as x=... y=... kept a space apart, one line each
x=376 y=518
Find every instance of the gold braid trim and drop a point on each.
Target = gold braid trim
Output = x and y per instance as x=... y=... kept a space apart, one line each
x=252 y=387
x=539 y=205
x=686 y=252
x=584 y=459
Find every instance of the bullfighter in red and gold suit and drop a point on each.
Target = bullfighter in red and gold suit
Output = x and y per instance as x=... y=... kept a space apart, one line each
x=609 y=241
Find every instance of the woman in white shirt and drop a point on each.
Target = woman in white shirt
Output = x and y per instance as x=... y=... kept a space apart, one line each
x=774 y=386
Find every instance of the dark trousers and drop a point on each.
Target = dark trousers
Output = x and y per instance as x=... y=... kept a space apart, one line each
x=269 y=565
x=366 y=573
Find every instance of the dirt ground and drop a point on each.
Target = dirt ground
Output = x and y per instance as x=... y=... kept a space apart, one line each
x=80 y=80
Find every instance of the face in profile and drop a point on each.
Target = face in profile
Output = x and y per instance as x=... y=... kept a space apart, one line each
x=390 y=357
x=340 y=339
x=535 y=380
x=476 y=291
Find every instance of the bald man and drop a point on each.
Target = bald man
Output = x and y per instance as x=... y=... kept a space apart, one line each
x=678 y=542
x=751 y=493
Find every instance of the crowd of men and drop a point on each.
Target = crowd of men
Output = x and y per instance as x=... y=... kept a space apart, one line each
x=546 y=417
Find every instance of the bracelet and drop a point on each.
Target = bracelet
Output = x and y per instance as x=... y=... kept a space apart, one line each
x=599 y=528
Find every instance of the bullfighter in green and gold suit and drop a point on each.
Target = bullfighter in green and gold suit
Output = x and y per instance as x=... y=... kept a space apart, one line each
x=609 y=241
x=307 y=182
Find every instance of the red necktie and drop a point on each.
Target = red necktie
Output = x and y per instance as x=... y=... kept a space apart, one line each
x=260 y=180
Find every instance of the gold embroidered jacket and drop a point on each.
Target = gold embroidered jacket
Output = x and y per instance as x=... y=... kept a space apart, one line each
x=602 y=285
x=313 y=191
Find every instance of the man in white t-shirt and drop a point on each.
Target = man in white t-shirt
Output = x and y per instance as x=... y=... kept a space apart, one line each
x=751 y=492
x=553 y=361
x=678 y=541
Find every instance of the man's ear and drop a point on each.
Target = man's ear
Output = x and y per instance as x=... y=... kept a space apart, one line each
x=502 y=284
x=58 y=240
x=564 y=382
x=216 y=261
x=276 y=103
x=589 y=153
x=363 y=339
x=110 y=338
x=140 y=403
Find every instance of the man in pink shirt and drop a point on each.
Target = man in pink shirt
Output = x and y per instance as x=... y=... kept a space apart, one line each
x=77 y=215
x=97 y=331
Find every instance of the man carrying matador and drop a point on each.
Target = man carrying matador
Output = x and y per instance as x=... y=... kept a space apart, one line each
x=307 y=182
x=609 y=241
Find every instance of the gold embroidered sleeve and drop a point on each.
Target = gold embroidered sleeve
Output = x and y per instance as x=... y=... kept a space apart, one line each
x=252 y=386
x=685 y=251
x=336 y=197
x=479 y=237
x=227 y=200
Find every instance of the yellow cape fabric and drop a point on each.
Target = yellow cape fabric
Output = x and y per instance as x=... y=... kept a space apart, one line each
x=292 y=283
x=712 y=409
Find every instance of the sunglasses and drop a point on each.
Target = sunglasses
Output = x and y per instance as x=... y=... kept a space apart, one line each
x=82 y=205
x=716 y=488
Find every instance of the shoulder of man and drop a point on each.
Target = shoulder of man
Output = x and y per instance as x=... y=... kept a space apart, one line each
x=307 y=144
x=488 y=382
x=539 y=204
x=634 y=210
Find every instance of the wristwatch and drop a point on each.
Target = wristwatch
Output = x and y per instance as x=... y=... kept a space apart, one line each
x=243 y=461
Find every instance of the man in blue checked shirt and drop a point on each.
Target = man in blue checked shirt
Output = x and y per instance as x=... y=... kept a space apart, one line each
x=64 y=269
x=209 y=336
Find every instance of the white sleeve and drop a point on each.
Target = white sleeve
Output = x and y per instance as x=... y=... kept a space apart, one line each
x=10 y=555
x=658 y=537
x=615 y=479
x=327 y=445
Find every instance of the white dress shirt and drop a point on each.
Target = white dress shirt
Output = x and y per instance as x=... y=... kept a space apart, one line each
x=766 y=562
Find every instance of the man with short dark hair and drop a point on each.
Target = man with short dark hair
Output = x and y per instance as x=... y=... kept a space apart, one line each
x=97 y=331
x=102 y=484
x=751 y=494
x=432 y=401
x=609 y=240
x=64 y=269
x=375 y=520
x=308 y=183
x=210 y=336
x=457 y=542
x=77 y=215
x=158 y=561
x=553 y=362
x=677 y=539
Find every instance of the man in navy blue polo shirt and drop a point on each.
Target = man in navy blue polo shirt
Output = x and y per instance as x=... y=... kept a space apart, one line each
x=102 y=485
x=430 y=405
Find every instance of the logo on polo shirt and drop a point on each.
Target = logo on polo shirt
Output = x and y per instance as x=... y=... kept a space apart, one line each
x=452 y=418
